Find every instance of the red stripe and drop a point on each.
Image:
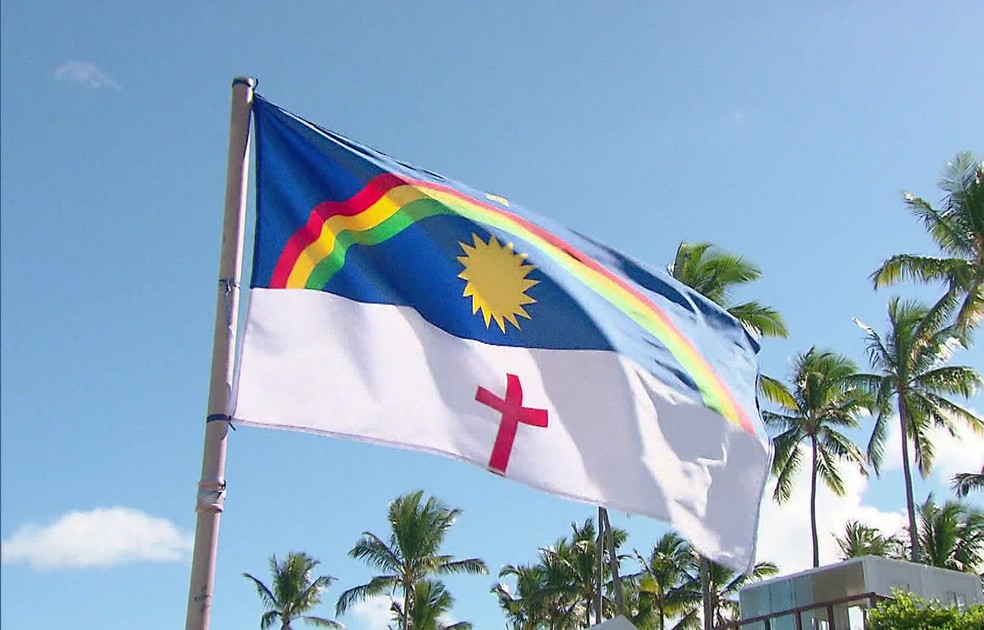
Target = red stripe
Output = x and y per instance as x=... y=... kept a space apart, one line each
x=309 y=233
x=589 y=262
x=378 y=186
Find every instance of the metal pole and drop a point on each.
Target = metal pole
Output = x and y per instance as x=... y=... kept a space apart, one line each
x=211 y=488
x=613 y=564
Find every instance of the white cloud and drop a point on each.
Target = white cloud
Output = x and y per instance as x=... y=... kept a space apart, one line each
x=85 y=74
x=784 y=531
x=373 y=613
x=99 y=538
x=963 y=452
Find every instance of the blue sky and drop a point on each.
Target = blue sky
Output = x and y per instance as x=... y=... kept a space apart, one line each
x=781 y=131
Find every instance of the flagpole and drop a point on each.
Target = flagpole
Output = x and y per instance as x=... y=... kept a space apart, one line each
x=211 y=488
x=613 y=564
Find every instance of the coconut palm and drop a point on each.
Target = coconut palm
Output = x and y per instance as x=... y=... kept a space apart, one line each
x=910 y=368
x=544 y=594
x=558 y=592
x=823 y=400
x=860 y=539
x=964 y=483
x=951 y=535
x=432 y=603
x=724 y=584
x=577 y=564
x=715 y=274
x=529 y=608
x=958 y=229
x=295 y=591
x=411 y=553
x=663 y=579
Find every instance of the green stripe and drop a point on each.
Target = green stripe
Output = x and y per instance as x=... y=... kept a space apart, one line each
x=428 y=207
x=396 y=223
x=653 y=323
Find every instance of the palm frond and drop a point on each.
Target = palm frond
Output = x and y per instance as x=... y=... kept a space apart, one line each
x=776 y=393
x=949 y=412
x=377 y=586
x=828 y=472
x=875 y=450
x=473 y=566
x=375 y=552
x=761 y=320
x=321 y=622
x=919 y=414
x=964 y=483
x=954 y=379
x=715 y=273
x=909 y=267
x=787 y=456
x=842 y=447
x=268 y=618
x=266 y=595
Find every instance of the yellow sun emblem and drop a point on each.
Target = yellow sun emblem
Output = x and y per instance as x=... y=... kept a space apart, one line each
x=496 y=281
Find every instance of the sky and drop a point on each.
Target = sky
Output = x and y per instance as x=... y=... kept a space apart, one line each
x=783 y=132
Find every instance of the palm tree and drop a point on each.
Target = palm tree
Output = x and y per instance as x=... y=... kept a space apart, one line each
x=294 y=592
x=577 y=564
x=958 y=229
x=432 y=603
x=529 y=608
x=952 y=535
x=964 y=483
x=910 y=368
x=409 y=555
x=822 y=401
x=860 y=539
x=662 y=581
x=724 y=586
x=714 y=274
x=559 y=591
x=544 y=596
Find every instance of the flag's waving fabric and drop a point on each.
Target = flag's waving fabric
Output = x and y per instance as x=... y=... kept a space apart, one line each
x=391 y=305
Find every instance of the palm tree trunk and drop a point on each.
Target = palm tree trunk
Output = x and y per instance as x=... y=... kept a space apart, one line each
x=910 y=504
x=406 y=606
x=705 y=593
x=600 y=566
x=813 y=505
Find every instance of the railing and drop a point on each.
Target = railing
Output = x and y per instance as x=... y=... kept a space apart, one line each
x=864 y=600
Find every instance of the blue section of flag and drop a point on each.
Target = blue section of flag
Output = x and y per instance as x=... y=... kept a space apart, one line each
x=300 y=166
x=393 y=272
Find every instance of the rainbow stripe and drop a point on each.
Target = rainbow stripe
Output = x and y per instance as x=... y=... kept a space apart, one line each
x=389 y=204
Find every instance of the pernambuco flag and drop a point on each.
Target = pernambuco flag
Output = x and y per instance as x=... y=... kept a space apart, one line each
x=441 y=318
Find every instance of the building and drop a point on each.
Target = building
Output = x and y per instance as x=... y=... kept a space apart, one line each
x=834 y=597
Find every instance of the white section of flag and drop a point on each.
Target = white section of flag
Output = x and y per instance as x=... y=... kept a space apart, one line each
x=313 y=361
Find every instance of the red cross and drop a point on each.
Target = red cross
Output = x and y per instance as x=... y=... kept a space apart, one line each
x=513 y=412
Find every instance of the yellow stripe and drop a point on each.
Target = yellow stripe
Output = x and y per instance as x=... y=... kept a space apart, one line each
x=715 y=392
x=384 y=208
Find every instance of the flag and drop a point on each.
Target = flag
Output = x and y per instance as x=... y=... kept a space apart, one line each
x=391 y=305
